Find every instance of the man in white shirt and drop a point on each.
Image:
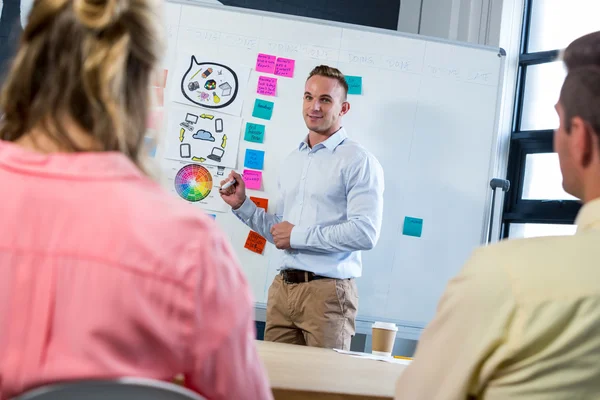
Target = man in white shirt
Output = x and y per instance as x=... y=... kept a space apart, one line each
x=329 y=209
x=522 y=319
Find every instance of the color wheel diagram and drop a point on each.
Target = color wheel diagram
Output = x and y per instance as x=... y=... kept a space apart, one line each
x=193 y=182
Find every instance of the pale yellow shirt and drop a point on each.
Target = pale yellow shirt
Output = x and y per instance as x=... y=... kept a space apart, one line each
x=520 y=321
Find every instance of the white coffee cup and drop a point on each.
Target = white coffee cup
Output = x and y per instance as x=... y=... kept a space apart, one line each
x=384 y=336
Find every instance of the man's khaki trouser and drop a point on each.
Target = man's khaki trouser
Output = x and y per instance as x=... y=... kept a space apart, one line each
x=319 y=313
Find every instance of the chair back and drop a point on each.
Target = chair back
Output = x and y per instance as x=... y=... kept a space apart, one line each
x=117 y=389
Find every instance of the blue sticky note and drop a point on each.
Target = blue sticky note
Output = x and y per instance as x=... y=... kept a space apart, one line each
x=255 y=159
x=254 y=133
x=263 y=109
x=412 y=227
x=354 y=84
x=150 y=146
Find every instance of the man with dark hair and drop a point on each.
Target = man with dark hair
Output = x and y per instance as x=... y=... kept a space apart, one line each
x=521 y=320
x=583 y=51
x=329 y=209
x=577 y=140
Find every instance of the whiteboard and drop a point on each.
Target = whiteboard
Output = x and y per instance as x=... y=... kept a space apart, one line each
x=428 y=112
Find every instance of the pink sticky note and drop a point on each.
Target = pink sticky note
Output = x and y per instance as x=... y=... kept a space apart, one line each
x=252 y=179
x=285 y=67
x=267 y=86
x=155 y=118
x=265 y=63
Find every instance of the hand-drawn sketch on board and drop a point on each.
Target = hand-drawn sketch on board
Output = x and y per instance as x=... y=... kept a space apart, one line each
x=210 y=84
x=197 y=184
x=211 y=139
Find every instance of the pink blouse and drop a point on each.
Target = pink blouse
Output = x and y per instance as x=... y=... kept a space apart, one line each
x=102 y=274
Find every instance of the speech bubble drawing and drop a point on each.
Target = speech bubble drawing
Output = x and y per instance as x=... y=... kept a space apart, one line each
x=221 y=78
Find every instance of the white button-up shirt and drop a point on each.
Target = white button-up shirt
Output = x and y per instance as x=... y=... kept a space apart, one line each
x=333 y=194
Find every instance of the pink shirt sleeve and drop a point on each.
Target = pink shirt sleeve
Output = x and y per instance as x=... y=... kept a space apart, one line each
x=224 y=361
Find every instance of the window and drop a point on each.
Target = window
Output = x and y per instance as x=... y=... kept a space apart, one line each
x=519 y=231
x=556 y=23
x=541 y=92
x=543 y=179
x=537 y=204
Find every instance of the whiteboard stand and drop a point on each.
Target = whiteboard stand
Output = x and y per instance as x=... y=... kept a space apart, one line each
x=496 y=183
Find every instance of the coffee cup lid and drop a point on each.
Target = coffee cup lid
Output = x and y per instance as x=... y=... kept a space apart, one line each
x=385 y=325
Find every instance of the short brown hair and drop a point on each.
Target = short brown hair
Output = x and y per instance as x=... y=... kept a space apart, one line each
x=330 y=72
x=580 y=97
x=88 y=60
x=583 y=51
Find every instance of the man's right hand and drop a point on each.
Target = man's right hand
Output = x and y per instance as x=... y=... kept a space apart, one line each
x=234 y=195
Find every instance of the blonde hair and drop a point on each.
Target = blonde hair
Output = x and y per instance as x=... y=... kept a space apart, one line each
x=88 y=60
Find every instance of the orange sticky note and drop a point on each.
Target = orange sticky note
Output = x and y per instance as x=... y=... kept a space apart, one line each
x=255 y=242
x=260 y=202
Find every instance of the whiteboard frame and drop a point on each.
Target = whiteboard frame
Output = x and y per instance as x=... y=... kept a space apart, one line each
x=498 y=152
x=337 y=24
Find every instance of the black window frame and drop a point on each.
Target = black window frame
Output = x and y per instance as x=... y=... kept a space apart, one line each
x=524 y=142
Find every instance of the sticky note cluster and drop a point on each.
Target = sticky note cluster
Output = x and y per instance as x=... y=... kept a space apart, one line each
x=255 y=242
x=285 y=67
x=267 y=86
x=252 y=179
x=412 y=227
x=271 y=64
x=254 y=159
x=260 y=202
x=150 y=145
x=263 y=109
x=266 y=63
x=255 y=133
x=354 y=84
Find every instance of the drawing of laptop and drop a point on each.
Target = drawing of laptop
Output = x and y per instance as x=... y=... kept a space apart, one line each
x=216 y=154
x=190 y=119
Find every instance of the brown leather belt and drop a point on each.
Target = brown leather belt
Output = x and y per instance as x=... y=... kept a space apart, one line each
x=298 y=276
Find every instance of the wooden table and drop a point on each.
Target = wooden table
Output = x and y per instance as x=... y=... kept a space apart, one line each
x=300 y=372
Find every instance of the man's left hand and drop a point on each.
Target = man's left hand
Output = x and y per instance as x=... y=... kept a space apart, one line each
x=281 y=235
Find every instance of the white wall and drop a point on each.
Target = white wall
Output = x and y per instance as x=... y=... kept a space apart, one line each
x=473 y=21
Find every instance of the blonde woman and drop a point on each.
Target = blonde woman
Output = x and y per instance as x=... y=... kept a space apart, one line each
x=102 y=274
